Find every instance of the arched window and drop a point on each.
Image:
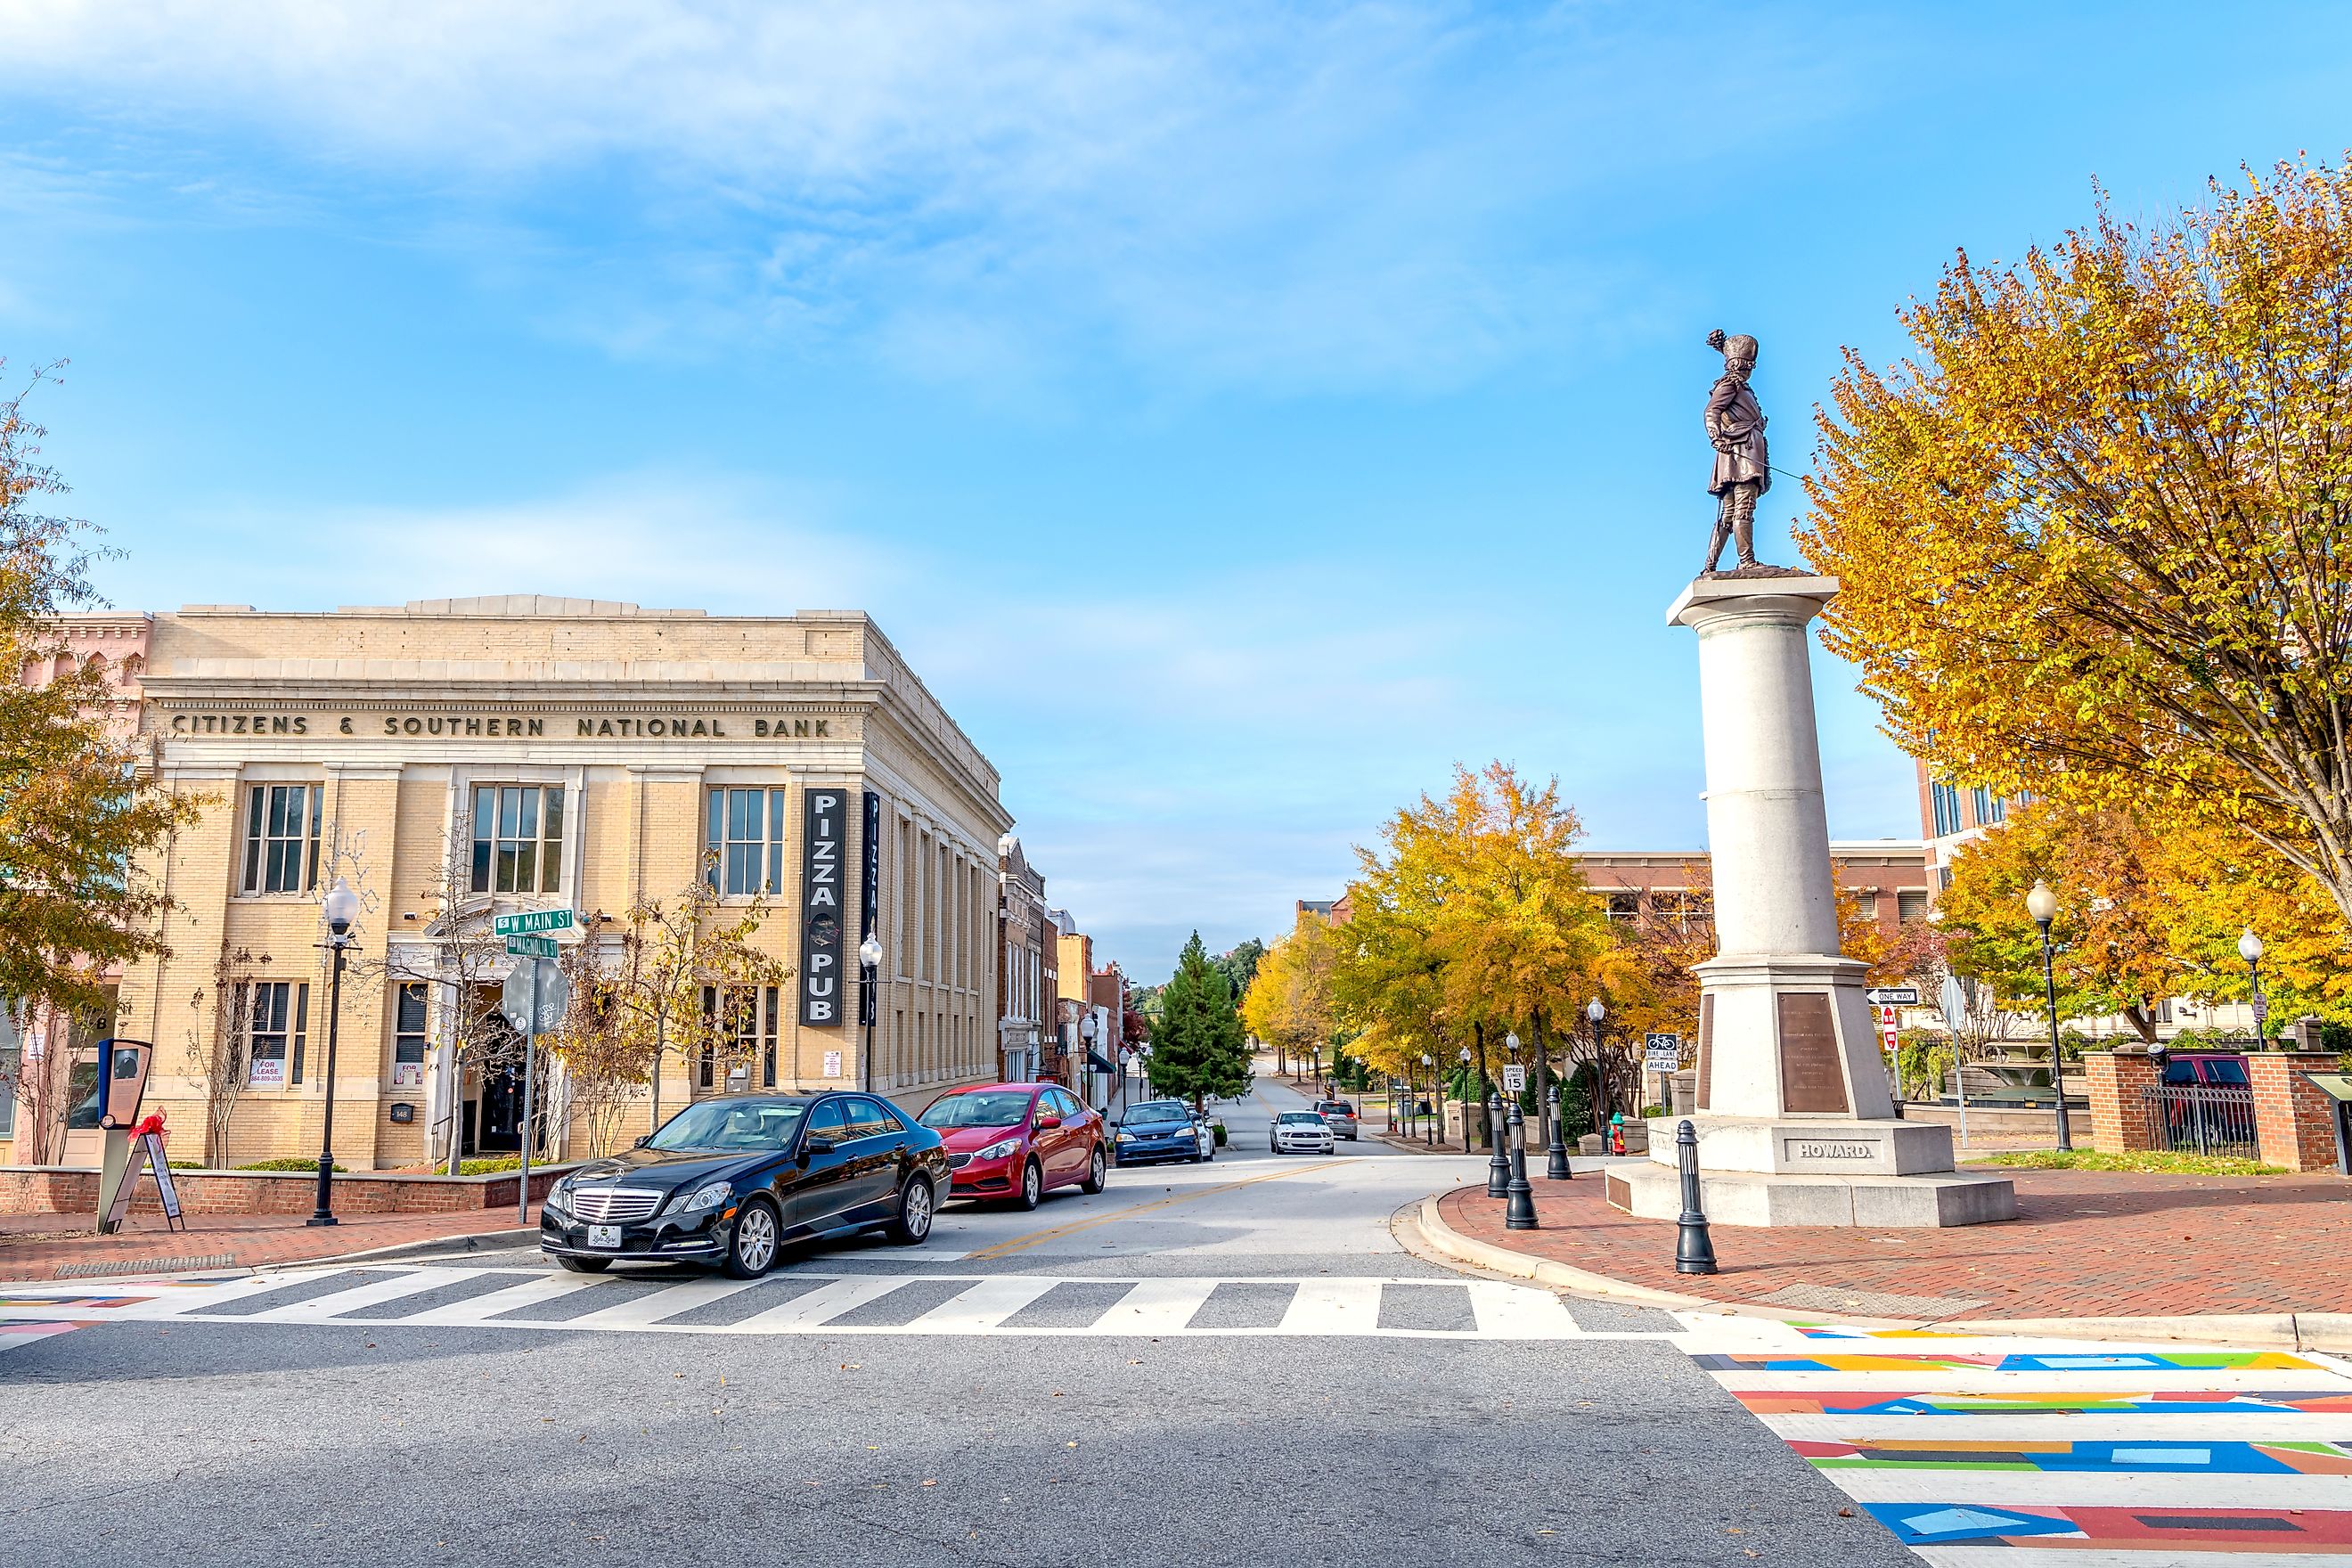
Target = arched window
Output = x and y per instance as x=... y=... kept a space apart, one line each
x=133 y=668
x=95 y=667
x=62 y=667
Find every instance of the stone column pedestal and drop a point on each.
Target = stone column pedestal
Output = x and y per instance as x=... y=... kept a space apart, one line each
x=1796 y=1123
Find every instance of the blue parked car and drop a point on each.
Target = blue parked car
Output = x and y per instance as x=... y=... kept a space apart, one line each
x=1163 y=1130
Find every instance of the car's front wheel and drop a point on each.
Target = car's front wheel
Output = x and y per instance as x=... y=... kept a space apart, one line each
x=584 y=1264
x=1033 y=1187
x=1098 y=1173
x=752 y=1250
x=915 y=1206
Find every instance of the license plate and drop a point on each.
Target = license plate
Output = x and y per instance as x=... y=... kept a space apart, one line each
x=604 y=1235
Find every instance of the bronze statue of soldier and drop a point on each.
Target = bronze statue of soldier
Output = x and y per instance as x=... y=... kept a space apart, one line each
x=1735 y=428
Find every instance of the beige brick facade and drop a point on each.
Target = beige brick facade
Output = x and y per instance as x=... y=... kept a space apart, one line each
x=621 y=721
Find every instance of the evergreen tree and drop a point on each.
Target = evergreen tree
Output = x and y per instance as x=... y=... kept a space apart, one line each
x=1198 y=1046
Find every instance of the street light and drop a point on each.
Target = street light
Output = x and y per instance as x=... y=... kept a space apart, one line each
x=1594 y=1011
x=869 y=960
x=2250 y=948
x=341 y=908
x=1429 y=1071
x=1466 y=1100
x=2043 y=905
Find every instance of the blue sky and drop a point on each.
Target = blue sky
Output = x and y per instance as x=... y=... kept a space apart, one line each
x=1238 y=414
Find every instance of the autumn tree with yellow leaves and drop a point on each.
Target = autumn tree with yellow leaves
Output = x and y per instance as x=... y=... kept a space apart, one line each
x=1290 y=1001
x=2091 y=537
x=1474 y=921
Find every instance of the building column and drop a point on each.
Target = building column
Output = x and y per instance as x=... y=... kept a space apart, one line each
x=2118 y=1117
x=2294 y=1120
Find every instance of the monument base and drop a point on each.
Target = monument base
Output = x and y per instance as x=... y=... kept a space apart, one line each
x=1761 y=1199
x=1795 y=1170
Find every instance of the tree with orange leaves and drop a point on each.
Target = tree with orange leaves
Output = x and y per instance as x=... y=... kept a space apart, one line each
x=2092 y=537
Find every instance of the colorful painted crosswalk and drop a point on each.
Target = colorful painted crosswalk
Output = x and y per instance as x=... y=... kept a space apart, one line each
x=1978 y=1451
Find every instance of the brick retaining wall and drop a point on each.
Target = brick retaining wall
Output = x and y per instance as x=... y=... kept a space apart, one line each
x=66 y=1189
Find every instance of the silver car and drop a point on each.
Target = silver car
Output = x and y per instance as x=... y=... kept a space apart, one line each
x=1302 y=1132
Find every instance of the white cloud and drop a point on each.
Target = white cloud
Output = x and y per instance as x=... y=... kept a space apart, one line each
x=1385 y=195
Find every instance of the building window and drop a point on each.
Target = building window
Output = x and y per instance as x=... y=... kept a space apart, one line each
x=1624 y=907
x=1866 y=906
x=12 y=1067
x=408 y=1035
x=1996 y=811
x=1910 y=904
x=2163 y=1014
x=744 y=831
x=518 y=838
x=1944 y=801
x=281 y=838
x=744 y=1017
x=276 y=1023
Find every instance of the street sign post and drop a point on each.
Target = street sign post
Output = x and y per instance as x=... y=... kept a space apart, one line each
x=1893 y=996
x=533 y=920
x=533 y=947
x=533 y=1000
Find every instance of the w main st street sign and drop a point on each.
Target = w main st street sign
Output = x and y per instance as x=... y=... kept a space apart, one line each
x=533 y=920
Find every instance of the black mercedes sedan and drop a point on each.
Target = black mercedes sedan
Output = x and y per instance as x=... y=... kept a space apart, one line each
x=728 y=1181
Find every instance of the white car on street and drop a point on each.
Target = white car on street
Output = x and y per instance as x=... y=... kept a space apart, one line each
x=1302 y=1132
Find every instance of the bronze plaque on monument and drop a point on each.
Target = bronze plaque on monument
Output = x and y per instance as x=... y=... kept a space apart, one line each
x=1706 y=1047
x=1811 y=1077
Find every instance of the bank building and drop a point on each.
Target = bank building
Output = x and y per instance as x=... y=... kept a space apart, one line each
x=460 y=759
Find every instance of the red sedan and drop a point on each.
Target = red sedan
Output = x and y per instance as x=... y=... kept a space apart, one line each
x=1016 y=1142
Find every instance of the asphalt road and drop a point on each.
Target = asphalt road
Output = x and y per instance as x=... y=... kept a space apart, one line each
x=233 y=1440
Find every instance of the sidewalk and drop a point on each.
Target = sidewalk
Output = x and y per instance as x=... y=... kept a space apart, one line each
x=63 y=1247
x=2086 y=1247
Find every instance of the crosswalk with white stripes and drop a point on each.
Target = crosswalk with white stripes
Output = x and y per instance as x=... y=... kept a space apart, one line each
x=929 y=1302
x=1974 y=1451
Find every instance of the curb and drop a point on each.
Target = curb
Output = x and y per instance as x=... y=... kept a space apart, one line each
x=467 y=1241
x=2325 y=1332
x=226 y=1264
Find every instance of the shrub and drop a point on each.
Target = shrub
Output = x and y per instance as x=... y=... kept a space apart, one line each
x=288 y=1163
x=2146 y=1161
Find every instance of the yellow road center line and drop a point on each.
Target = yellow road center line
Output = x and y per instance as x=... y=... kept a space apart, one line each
x=1053 y=1232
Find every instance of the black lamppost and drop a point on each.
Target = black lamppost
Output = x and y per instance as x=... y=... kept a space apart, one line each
x=1595 y=1013
x=1429 y=1124
x=2250 y=948
x=342 y=907
x=2043 y=905
x=869 y=964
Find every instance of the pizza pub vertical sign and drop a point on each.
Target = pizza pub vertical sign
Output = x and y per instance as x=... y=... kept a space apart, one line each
x=870 y=846
x=824 y=844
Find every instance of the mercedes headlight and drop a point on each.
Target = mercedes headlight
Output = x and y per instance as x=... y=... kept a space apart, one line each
x=998 y=1150
x=706 y=1198
x=560 y=1194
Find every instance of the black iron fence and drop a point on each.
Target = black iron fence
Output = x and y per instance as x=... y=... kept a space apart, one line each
x=2201 y=1119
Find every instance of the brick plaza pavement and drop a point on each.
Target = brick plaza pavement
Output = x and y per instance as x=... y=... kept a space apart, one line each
x=2085 y=1244
x=63 y=1247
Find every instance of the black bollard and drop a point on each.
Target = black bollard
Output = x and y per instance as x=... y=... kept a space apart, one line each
x=1556 y=1156
x=1498 y=1162
x=1521 y=1214
x=1693 y=1253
